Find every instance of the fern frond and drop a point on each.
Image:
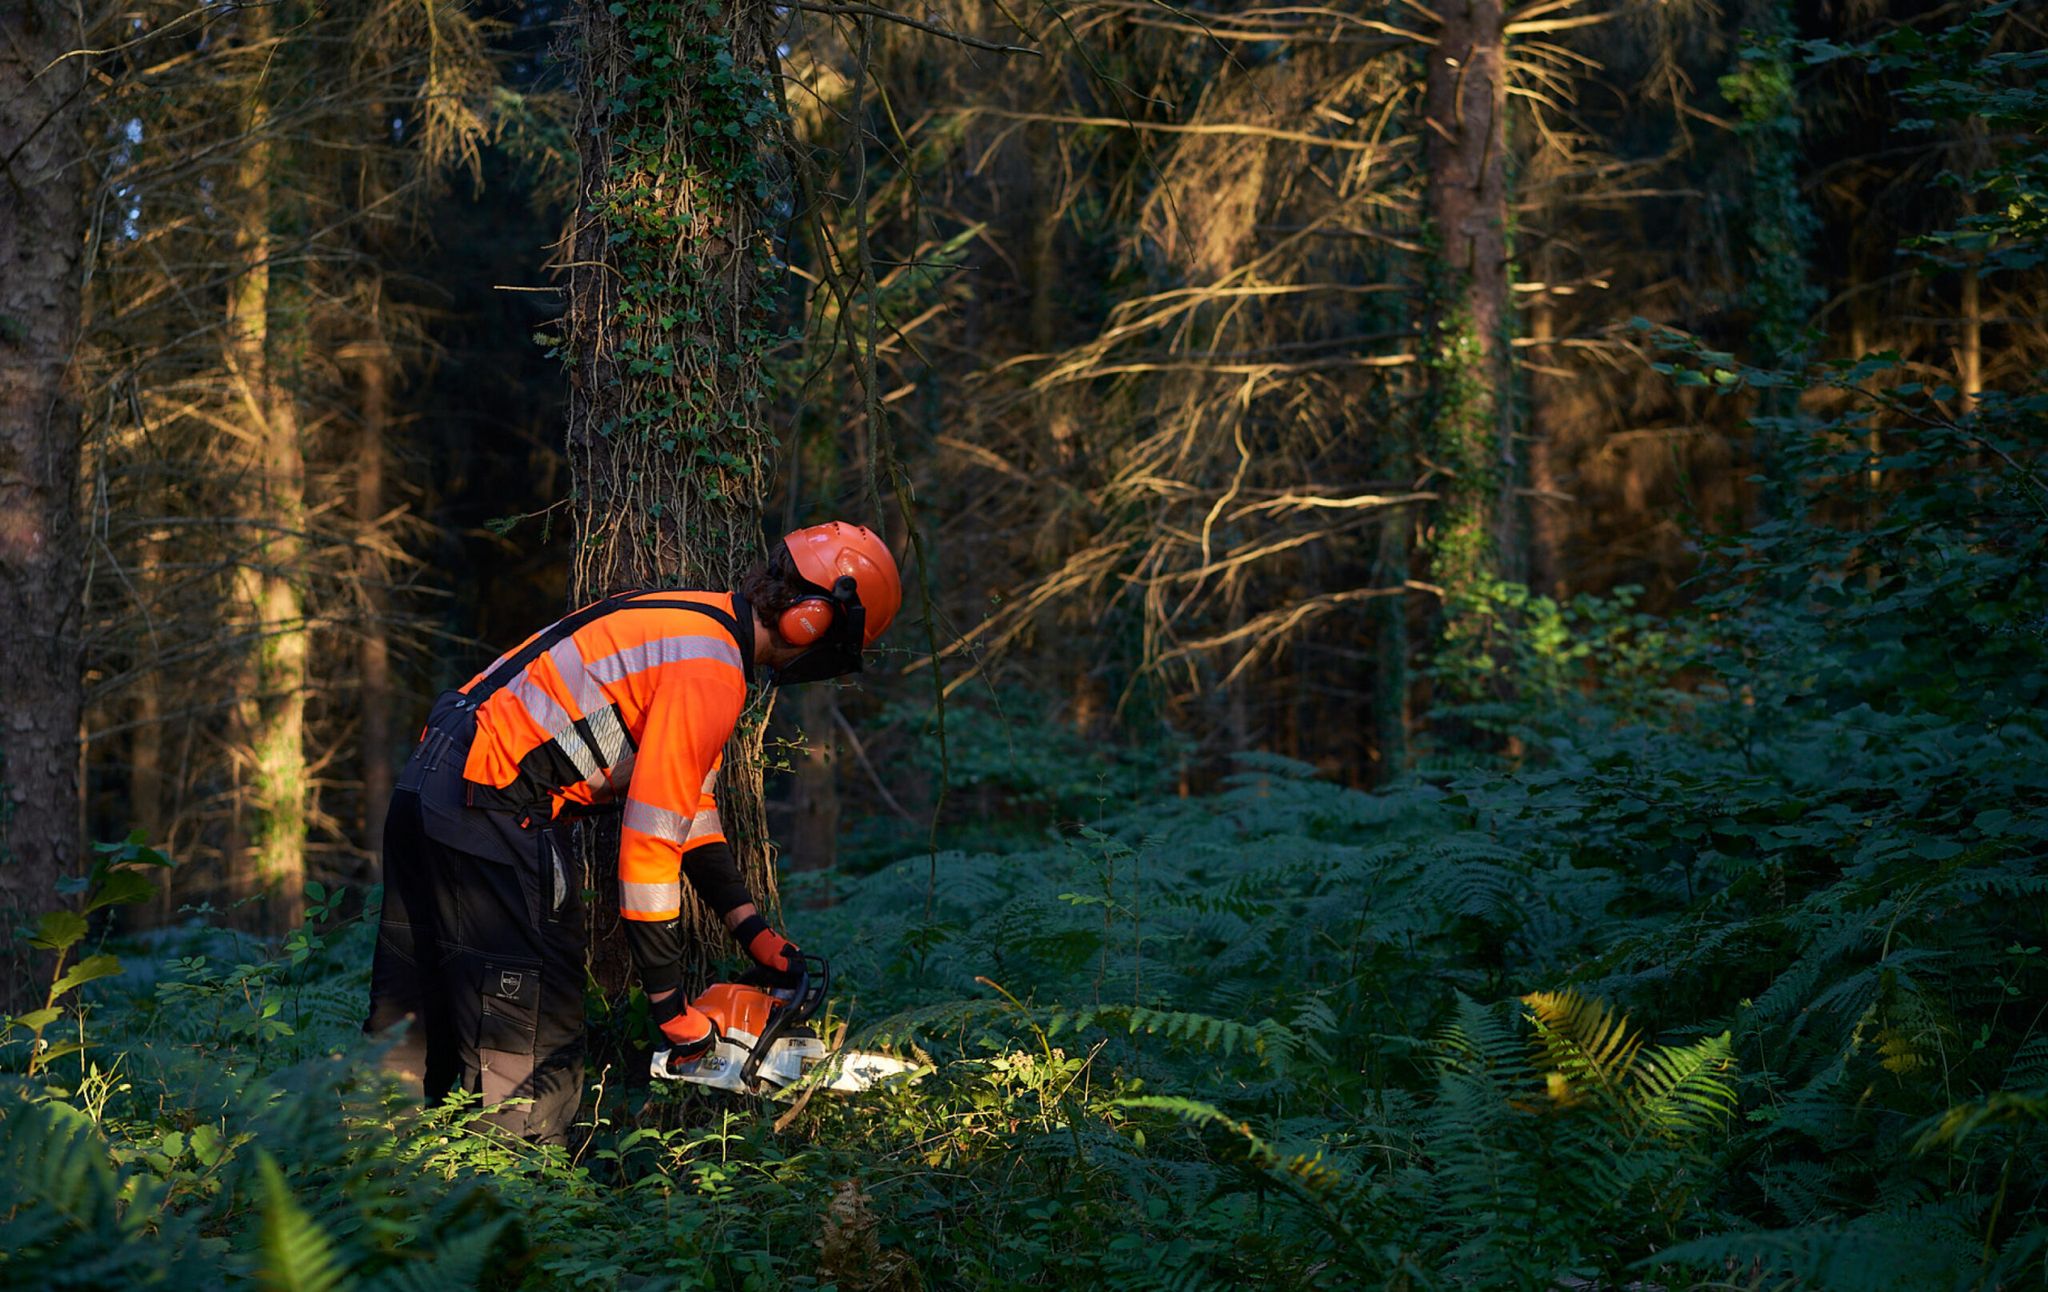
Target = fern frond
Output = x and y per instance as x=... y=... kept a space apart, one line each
x=298 y=1256
x=1478 y=1040
x=1951 y=1128
x=2029 y=1067
x=1685 y=1091
x=457 y=1265
x=1903 y=1251
x=1310 y=1170
x=1585 y=1042
x=1268 y=1039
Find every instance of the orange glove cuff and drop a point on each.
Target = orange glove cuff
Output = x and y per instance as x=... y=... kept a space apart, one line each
x=764 y=945
x=769 y=948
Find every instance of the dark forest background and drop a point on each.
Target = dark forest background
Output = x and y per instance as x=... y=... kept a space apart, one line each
x=1150 y=362
x=1442 y=542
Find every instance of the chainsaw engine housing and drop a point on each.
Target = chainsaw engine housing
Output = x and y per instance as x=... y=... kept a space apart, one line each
x=764 y=1044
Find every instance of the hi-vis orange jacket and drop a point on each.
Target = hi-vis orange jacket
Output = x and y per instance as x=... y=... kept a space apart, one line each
x=634 y=697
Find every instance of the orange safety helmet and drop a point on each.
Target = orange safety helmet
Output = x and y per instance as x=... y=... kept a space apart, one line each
x=826 y=553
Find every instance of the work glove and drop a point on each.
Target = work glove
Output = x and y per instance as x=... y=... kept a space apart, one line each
x=689 y=1031
x=769 y=949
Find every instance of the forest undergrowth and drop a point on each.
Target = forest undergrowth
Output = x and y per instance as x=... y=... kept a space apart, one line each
x=1723 y=969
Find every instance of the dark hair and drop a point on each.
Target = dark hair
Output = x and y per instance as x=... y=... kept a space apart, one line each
x=774 y=585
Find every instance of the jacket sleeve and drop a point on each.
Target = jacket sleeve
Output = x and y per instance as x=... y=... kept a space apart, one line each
x=708 y=861
x=670 y=809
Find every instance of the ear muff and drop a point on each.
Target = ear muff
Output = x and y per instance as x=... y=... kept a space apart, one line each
x=804 y=623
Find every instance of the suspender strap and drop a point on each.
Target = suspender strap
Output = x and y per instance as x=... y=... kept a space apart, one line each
x=513 y=665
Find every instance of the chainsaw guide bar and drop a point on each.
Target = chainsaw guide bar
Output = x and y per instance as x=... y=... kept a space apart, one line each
x=764 y=1047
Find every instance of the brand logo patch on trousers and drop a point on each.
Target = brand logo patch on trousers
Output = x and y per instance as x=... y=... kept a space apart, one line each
x=509 y=983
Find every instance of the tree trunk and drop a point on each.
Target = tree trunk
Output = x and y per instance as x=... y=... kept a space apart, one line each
x=146 y=743
x=42 y=242
x=269 y=716
x=1470 y=437
x=672 y=303
x=373 y=650
x=815 y=833
x=1971 y=368
x=1392 y=683
x=1780 y=229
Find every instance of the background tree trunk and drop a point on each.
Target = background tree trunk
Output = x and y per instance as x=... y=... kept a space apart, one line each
x=1779 y=225
x=269 y=717
x=814 y=834
x=146 y=742
x=373 y=649
x=42 y=246
x=672 y=303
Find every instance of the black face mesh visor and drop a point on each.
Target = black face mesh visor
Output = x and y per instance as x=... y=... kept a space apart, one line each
x=838 y=651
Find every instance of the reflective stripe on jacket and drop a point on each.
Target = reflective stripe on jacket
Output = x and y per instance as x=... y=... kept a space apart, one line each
x=635 y=703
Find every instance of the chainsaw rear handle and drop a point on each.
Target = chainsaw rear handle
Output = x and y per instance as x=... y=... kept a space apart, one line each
x=810 y=991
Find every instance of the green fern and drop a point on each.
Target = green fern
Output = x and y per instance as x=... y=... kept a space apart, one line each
x=298 y=1256
x=1686 y=1092
x=1583 y=1045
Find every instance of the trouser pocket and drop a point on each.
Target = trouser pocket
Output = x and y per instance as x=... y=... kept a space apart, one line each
x=507 y=1028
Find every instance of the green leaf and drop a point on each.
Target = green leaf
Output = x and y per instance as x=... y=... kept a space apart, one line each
x=1993 y=820
x=58 y=1051
x=207 y=1148
x=120 y=888
x=37 y=1019
x=58 y=930
x=87 y=970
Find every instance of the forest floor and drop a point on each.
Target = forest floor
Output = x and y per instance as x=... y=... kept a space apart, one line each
x=1288 y=1033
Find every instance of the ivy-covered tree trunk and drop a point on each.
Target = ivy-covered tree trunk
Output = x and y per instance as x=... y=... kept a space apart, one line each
x=1470 y=437
x=1467 y=444
x=1777 y=221
x=671 y=312
x=42 y=245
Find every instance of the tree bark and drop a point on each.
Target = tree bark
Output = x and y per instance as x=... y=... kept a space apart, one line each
x=1971 y=368
x=672 y=296
x=269 y=716
x=146 y=744
x=1470 y=437
x=42 y=245
x=373 y=649
x=814 y=835
x=1780 y=229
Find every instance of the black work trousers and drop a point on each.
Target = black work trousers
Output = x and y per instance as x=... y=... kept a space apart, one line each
x=480 y=949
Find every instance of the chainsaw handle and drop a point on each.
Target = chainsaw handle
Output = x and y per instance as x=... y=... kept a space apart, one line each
x=809 y=994
x=813 y=984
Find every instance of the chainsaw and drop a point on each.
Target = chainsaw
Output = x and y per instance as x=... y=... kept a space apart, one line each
x=765 y=1044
